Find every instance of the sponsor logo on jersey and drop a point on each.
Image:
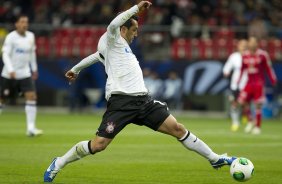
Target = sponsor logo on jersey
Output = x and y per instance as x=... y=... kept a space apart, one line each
x=128 y=50
x=6 y=92
x=20 y=51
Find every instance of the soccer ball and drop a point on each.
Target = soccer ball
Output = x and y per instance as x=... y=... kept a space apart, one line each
x=242 y=169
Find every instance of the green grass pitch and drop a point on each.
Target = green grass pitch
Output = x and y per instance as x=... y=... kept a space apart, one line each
x=138 y=155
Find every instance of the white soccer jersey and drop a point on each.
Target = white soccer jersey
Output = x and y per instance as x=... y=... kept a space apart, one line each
x=122 y=67
x=18 y=53
x=234 y=64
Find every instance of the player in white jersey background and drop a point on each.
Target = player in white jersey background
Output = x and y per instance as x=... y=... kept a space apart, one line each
x=20 y=70
x=233 y=66
x=127 y=98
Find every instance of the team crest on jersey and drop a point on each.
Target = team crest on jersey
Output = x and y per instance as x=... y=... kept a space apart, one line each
x=110 y=127
x=6 y=92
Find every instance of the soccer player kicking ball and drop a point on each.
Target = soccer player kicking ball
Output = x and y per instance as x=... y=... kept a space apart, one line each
x=20 y=71
x=255 y=62
x=128 y=99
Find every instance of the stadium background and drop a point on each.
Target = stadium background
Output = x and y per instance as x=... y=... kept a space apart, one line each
x=193 y=38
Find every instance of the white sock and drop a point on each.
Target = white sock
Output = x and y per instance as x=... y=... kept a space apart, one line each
x=30 y=111
x=77 y=152
x=191 y=142
x=234 y=113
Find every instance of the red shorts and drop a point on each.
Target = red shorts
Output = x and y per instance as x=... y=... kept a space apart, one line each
x=253 y=92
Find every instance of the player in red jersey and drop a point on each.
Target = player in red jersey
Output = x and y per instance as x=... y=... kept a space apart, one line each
x=255 y=63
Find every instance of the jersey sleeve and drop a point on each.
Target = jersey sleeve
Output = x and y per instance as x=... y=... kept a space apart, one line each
x=84 y=63
x=6 y=53
x=114 y=27
x=269 y=70
x=227 y=68
x=33 y=62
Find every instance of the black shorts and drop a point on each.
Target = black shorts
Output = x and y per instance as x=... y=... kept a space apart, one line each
x=233 y=95
x=11 y=88
x=139 y=110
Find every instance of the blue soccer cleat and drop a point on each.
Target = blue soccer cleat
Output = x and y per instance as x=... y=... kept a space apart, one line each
x=222 y=161
x=51 y=172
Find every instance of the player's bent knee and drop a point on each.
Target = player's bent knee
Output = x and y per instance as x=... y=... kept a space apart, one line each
x=178 y=130
x=181 y=127
x=172 y=127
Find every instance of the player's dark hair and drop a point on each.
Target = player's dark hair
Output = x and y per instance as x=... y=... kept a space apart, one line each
x=18 y=17
x=128 y=23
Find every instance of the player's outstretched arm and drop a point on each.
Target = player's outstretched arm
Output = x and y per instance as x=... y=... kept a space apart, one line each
x=86 y=62
x=72 y=74
x=124 y=16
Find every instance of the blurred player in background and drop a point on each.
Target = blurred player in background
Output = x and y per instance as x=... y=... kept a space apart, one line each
x=255 y=62
x=20 y=70
x=128 y=99
x=233 y=65
x=171 y=95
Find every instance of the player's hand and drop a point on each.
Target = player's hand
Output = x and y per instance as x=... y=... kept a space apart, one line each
x=34 y=75
x=13 y=75
x=71 y=76
x=143 y=5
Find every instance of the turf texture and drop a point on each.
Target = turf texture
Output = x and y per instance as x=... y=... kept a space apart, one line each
x=138 y=155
